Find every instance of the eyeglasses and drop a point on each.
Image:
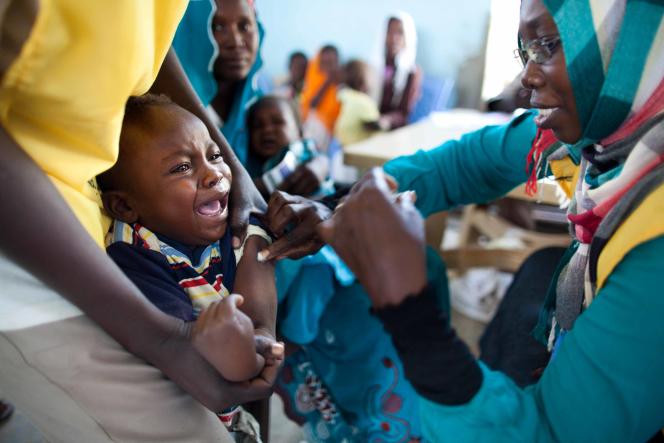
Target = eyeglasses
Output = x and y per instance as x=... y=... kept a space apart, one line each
x=539 y=50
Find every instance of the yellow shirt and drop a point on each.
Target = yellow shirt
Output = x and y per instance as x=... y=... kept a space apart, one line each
x=356 y=109
x=63 y=98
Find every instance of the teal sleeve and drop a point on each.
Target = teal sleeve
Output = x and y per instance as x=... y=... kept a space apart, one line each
x=605 y=384
x=479 y=167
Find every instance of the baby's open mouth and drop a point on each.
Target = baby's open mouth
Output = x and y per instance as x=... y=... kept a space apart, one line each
x=213 y=207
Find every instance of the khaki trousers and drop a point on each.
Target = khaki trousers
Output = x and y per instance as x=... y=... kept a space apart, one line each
x=76 y=384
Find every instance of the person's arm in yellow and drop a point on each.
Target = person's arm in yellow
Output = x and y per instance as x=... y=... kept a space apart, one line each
x=41 y=234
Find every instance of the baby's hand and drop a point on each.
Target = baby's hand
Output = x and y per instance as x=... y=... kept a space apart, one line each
x=222 y=315
x=307 y=177
x=224 y=335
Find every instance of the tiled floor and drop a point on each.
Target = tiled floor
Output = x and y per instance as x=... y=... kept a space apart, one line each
x=282 y=430
x=19 y=430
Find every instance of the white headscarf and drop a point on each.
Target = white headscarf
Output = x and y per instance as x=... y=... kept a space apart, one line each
x=405 y=59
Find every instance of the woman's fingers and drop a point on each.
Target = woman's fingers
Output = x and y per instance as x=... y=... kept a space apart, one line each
x=280 y=211
x=326 y=230
x=380 y=236
x=376 y=177
x=294 y=220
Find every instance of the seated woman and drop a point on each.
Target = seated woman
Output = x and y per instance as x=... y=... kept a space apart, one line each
x=401 y=77
x=601 y=317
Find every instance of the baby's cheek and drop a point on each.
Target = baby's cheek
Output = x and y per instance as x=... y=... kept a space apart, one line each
x=227 y=172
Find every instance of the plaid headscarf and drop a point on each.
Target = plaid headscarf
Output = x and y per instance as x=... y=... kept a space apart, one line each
x=614 y=51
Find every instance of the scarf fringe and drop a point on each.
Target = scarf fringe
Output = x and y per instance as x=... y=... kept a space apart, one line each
x=543 y=140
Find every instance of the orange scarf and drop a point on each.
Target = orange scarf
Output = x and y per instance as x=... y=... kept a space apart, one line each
x=328 y=107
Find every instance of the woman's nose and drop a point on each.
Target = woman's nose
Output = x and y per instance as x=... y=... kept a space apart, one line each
x=531 y=76
x=234 y=38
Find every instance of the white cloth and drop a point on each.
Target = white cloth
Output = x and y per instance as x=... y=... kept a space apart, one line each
x=26 y=301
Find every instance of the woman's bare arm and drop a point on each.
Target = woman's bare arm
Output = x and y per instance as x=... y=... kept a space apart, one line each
x=41 y=234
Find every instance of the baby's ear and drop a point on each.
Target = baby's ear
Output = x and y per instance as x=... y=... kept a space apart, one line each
x=118 y=206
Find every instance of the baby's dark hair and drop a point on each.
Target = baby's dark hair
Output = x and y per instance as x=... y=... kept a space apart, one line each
x=137 y=107
x=274 y=100
x=135 y=115
x=356 y=74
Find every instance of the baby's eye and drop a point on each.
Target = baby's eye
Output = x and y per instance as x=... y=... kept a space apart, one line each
x=246 y=26
x=215 y=157
x=182 y=167
x=217 y=27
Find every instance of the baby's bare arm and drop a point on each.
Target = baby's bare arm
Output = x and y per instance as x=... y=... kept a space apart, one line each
x=255 y=281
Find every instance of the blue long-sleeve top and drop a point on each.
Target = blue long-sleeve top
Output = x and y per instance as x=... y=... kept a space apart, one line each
x=605 y=383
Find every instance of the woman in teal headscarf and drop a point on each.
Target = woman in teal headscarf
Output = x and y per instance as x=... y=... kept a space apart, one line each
x=221 y=56
x=596 y=72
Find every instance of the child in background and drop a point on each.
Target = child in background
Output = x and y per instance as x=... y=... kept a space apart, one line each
x=342 y=381
x=168 y=193
x=357 y=107
x=320 y=107
x=279 y=157
x=291 y=87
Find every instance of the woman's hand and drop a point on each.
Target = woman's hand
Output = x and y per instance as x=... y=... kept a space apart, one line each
x=307 y=177
x=381 y=238
x=293 y=219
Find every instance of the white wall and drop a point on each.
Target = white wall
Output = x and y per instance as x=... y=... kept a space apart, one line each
x=449 y=31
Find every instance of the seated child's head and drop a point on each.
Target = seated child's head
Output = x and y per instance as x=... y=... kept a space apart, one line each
x=170 y=176
x=297 y=66
x=329 y=59
x=273 y=124
x=357 y=75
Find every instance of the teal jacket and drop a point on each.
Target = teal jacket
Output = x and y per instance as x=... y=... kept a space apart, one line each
x=606 y=382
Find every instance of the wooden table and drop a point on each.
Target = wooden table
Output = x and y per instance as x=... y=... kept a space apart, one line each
x=430 y=133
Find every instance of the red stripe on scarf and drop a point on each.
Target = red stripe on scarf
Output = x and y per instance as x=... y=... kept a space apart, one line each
x=652 y=107
x=605 y=207
x=586 y=223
